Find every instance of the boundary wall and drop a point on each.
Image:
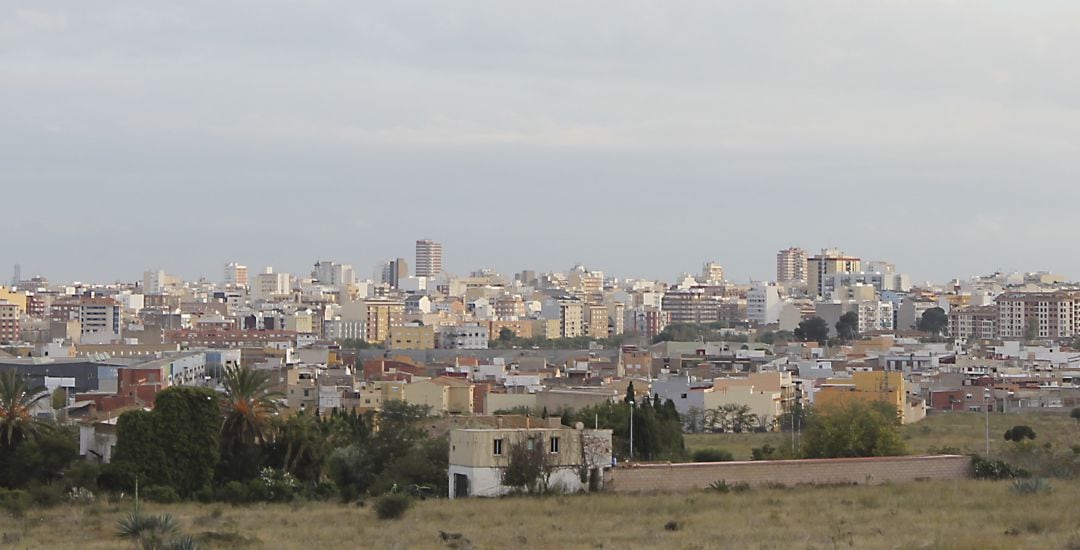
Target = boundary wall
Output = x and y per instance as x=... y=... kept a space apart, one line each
x=872 y=471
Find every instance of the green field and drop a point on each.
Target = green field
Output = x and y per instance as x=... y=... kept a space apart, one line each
x=958 y=514
x=962 y=430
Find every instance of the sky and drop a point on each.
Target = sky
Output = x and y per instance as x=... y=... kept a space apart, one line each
x=640 y=138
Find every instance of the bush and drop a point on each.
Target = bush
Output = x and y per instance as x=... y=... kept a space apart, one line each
x=392 y=506
x=985 y=468
x=47 y=494
x=15 y=502
x=161 y=493
x=234 y=492
x=83 y=473
x=1030 y=486
x=765 y=452
x=712 y=455
x=1019 y=433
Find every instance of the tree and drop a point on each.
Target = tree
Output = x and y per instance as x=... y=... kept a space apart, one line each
x=248 y=405
x=1019 y=433
x=847 y=327
x=813 y=329
x=1075 y=414
x=853 y=430
x=506 y=335
x=630 y=396
x=933 y=320
x=17 y=399
x=176 y=445
x=1031 y=330
x=528 y=467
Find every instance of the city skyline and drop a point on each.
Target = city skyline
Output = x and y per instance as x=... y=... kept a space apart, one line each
x=939 y=136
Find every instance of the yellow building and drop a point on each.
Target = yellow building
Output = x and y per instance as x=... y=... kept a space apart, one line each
x=596 y=321
x=444 y=395
x=379 y=317
x=866 y=387
x=14 y=297
x=412 y=337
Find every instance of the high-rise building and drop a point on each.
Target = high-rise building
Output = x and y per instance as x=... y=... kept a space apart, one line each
x=712 y=272
x=236 y=275
x=428 y=258
x=791 y=266
x=829 y=262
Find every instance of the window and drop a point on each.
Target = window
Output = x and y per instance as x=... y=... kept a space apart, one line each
x=554 y=445
x=498 y=447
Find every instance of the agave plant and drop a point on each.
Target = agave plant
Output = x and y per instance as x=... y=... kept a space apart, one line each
x=248 y=406
x=17 y=400
x=151 y=532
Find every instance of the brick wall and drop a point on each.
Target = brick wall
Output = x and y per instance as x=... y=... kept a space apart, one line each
x=682 y=477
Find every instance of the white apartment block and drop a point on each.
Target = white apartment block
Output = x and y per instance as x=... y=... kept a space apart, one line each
x=763 y=304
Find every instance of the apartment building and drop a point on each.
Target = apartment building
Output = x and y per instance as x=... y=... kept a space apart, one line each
x=269 y=286
x=1044 y=314
x=236 y=275
x=569 y=312
x=974 y=321
x=830 y=261
x=429 y=258
x=596 y=321
x=712 y=273
x=99 y=316
x=9 y=322
x=380 y=316
x=412 y=336
x=791 y=266
x=694 y=306
x=763 y=304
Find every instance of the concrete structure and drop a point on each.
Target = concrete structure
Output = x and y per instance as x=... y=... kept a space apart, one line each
x=870 y=471
x=791 y=266
x=236 y=275
x=9 y=322
x=830 y=261
x=429 y=258
x=468 y=336
x=412 y=336
x=270 y=286
x=578 y=458
x=444 y=395
x=871 y=387
x=763 y=304
x=974 y=321
x=1038 y=314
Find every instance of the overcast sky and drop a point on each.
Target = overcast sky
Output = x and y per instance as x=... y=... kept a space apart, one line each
x=639 y=138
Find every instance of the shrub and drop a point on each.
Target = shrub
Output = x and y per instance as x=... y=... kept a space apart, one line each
x=161 y=493
x=234 y=492
x=15 y=502
x=765 y=452
x=1030 y=486
x=392 y=506
x=1019 y=433
x=712 y=455
x=47 y=494
x=720 y=486
x=258 y=491
x=985 y=468
x=84 y=474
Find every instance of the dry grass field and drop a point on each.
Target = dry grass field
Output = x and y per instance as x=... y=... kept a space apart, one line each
x=961 y=430
x=960 y=514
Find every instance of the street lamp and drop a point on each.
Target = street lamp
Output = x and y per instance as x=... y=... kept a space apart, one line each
x=631 y=402
x=986 y=412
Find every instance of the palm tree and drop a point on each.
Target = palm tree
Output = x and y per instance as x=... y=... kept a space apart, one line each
x=17 y=399
x=248 y=405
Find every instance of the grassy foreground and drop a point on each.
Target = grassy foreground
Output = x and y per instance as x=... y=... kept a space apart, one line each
x=957 y=514
x=962 y=430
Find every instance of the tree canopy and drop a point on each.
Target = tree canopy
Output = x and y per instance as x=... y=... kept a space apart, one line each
x=933 y=320
x=847 y=327
x=814 y=329
x=853 y=430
